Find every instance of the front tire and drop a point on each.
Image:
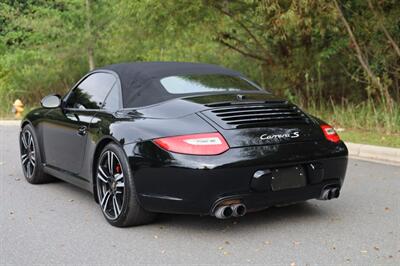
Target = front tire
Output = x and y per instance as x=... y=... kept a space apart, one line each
x=31 y=160
x=116 y=190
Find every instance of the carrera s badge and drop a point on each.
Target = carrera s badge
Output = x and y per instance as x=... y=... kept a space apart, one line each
x=292 y=135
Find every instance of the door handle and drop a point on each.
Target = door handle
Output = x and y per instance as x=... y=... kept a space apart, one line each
x=82 y=130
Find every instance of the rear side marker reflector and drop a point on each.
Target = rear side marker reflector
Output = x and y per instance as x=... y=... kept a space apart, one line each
x=330 y=133
x=195 y=144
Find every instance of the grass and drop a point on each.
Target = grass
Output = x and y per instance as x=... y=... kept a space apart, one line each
x=371 y=137
x=366 y=122
x=363 y=116
x=6 y=114
x=7 y=117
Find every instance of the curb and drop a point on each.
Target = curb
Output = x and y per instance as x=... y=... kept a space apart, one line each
x=10 y=122
x=374 y=153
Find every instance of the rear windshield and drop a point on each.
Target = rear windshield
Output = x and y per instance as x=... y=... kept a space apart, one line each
x=206 y=83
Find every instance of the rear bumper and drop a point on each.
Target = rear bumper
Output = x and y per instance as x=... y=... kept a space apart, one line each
x=176 y=183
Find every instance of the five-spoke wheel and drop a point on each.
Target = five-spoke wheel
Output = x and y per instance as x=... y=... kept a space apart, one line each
x=110 y=184
x=116 y=192
x=31 y=160
x=28 y=154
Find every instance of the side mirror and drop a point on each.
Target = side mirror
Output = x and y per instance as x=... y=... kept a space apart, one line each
x=51 y=101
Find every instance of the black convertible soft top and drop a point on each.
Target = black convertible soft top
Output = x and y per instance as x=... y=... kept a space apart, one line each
x=140 y=81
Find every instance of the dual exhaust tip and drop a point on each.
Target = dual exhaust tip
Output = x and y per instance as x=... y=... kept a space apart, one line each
x=227 y=211
x=330 y=193
x=239 y=209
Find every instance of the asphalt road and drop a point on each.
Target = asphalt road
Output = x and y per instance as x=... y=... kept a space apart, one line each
x=59 y=224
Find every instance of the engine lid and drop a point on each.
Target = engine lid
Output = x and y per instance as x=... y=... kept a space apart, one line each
x=271 y=135
x=249 y=124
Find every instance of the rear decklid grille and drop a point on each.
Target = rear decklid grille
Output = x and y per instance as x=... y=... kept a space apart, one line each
x=248 y=115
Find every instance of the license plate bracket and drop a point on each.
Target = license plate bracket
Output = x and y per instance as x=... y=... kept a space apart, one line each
x=288 y=177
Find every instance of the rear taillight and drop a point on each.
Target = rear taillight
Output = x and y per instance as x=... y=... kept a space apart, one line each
x=330 y=133
x=195 y=144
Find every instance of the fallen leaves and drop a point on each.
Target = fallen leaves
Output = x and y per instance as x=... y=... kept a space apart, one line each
x=225 y=253
x=221 y=248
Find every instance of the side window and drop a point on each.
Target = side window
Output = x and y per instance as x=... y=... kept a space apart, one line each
x=91 y=92
x=112 y=102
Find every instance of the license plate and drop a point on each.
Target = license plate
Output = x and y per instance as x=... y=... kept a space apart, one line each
x=286 y=178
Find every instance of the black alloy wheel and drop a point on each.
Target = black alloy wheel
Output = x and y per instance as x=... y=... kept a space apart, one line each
x=111 y=185
x=28 y=154
x=31 y=161
x=116 y=191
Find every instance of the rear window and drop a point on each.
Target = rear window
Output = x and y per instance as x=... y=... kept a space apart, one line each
x=206 y=83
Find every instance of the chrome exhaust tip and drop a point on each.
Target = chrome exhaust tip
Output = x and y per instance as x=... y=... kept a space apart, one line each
x=324 y=194
x=335 y=192
x=329 y=193
x=238 y=210
x=223 y=212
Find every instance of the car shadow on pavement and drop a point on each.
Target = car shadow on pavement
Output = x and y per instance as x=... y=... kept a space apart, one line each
x=293 y=214
x=274 y=216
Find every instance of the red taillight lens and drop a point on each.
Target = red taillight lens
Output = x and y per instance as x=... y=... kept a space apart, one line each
x=330 y=133
x=196 y=144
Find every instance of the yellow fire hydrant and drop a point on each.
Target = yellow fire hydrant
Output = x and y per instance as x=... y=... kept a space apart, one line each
x=18 y=108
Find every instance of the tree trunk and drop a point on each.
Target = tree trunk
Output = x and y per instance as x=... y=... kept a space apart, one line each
x=91 y=57
x=90 y=40
x=383 y=28
x=397 y=88
x=363 y=61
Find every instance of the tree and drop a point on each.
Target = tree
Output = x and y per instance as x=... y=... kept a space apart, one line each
x=371 y=44
x=46 y=46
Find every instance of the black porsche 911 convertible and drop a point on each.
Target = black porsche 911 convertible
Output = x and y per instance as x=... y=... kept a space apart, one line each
x=166 y=137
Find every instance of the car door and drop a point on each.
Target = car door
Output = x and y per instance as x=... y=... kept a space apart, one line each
x=65 y=129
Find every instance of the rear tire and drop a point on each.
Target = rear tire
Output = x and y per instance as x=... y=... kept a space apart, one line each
x=31 y=159
x=116 y=189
